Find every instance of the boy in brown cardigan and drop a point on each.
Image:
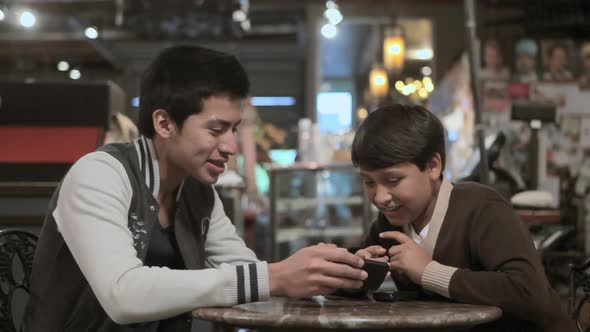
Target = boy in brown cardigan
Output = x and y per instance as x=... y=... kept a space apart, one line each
x=460 y=241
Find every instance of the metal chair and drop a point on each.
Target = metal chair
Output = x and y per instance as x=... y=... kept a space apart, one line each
x=17 y=250
x=579 y=278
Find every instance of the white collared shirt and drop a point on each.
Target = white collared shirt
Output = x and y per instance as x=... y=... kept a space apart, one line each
x=420 y=238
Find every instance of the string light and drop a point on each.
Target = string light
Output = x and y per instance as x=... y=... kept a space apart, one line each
x=333 y=17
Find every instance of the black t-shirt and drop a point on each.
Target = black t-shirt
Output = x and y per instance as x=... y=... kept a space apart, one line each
x=162 y=252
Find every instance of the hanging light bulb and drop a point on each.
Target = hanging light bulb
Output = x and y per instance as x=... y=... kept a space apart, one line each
x=393 y=49
x=378 y=82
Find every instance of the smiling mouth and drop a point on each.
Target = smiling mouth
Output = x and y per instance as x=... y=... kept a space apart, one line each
x=391 y=209
x=217 y=163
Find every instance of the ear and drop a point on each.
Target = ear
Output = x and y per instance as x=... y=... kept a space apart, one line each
x=434 y=167
x=163 y=124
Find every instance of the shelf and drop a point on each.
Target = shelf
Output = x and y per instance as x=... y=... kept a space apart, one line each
x=292 y=234
x=286 y=204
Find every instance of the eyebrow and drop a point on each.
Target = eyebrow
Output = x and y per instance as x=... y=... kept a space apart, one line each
x=222 y=123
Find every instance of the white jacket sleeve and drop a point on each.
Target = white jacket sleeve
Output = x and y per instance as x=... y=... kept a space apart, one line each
x=223 y=244
x=91 y=215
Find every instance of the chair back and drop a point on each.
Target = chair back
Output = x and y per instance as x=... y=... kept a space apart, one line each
x=579 y=280
x=17 y=250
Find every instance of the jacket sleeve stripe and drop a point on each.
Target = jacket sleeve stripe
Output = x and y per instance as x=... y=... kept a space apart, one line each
x=143 y=162
x=241 y=288
x=253 y=282
x=150 y=167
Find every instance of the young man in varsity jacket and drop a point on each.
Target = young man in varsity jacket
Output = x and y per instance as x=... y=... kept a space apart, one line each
x=459 y=241
x=136 y=236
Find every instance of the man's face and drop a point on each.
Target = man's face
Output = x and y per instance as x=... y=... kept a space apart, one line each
x=558 y=59
x=207 y=139
x=403 y=193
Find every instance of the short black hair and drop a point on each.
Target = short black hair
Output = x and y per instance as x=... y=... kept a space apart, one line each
x=395 y=134
x=182 y=77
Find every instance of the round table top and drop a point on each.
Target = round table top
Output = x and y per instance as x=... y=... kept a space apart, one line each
x=346 y=313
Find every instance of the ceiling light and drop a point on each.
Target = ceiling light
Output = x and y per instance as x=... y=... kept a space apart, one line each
x=329 y=31
x=2 y=15
x=75 y=74
x=362 y=113
x=238 y=15
x=91 y=32
x=27 y=19
x=333 y=15
x=423 y=93
x=245 y=24
x=426 y=71
x=378 y=82
x=63 y=66
x=424 y=54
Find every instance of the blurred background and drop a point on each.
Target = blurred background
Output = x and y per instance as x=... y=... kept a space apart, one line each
x=510 y=81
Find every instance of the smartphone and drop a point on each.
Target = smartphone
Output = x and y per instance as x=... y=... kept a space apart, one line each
x=377 y=272
x=396 y=296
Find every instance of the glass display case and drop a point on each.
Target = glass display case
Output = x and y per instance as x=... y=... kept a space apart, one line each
x=312 y=203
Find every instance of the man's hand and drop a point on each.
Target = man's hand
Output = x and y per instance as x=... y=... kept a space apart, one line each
x=316 y=270
x=376 y=253
x=407 y=257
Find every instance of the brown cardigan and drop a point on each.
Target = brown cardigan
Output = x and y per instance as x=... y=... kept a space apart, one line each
x=496 y=260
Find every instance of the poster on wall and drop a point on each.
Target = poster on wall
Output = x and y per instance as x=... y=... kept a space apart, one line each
x=585 y=133
x=564 y=95
x=584 y=78
x=495 y=96
x=558 y=60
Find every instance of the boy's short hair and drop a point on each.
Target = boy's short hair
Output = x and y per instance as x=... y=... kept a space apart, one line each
x=395 y=134
x=182 y=77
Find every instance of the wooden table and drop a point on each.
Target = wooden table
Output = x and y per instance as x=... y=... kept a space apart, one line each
x=351 y=314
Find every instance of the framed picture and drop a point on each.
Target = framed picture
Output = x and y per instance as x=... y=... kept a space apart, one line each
x=584 y=77
x=557 y=56
x=526 y=55
x=493 y=67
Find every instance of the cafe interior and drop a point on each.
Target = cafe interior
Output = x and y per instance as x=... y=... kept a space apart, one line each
x=509 y=80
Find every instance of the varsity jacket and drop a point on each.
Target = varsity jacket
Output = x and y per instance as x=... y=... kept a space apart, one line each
x=88 y=272
x=482 y=254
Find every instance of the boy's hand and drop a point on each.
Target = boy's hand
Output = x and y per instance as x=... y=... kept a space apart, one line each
x=316 y=270
x=407 y=257
x=376 y=253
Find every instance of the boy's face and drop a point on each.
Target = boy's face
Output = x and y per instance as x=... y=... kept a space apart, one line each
x=525 y=64
x=403 y=193
x=207 y=139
